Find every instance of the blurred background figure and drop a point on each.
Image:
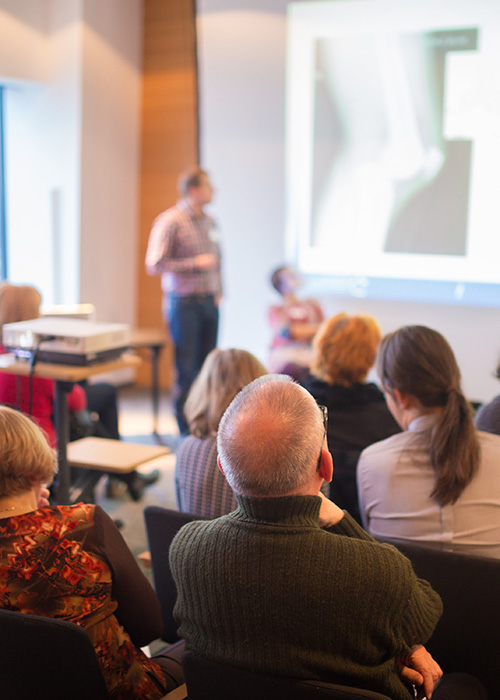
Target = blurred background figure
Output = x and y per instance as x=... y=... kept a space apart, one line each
x=201 y=488
x=184 y=248
x=488 y=416
x=93 y=408
x=344 y=350
x=293 y=323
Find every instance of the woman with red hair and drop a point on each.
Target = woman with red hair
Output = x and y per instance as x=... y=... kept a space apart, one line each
x=344 y=350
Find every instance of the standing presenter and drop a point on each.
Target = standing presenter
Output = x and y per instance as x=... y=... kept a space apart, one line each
x=184 y=249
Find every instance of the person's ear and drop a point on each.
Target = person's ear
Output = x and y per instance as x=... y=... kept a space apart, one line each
x=404 y=400
x=220 y=465
x=326 y=465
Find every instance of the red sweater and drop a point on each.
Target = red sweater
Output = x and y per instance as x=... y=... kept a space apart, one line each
x=43 y=399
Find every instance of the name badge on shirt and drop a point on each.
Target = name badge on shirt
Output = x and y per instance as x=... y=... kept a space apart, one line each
x=214 y=234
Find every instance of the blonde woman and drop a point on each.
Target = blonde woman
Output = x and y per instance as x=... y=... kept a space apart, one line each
x=200 y=487
x=344 y=350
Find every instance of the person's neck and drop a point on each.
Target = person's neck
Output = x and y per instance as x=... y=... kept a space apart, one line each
x=414 y=412
x=18 y=504
x=195 y=206
x=290 y=298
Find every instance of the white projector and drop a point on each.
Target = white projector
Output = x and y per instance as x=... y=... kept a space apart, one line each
x=66 y=341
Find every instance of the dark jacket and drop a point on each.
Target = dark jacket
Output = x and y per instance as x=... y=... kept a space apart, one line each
x=357 y=417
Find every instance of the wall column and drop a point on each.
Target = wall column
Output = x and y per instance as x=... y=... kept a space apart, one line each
x=169 y=139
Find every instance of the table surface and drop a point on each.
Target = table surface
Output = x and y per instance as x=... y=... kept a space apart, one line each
x=66 y=373
x=112 y=455
x=147 y=336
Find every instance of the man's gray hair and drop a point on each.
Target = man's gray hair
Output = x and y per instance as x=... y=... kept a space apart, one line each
x=270 y=437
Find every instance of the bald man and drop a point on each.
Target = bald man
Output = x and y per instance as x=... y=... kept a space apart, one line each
x=289 y=584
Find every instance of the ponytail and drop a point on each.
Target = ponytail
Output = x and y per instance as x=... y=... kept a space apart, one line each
x=454 y=449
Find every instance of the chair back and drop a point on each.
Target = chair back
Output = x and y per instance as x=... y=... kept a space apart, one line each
x=162 y=525
x=47 y=659
x=206 y=679
x=467 y=637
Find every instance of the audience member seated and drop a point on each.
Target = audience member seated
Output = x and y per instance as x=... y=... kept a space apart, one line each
x=71 y=563
x=344 y=350
x=293 y=325
x=438 y=480
x=201 y=488
x=36 y=397
x=289 y=584
x=488 y=416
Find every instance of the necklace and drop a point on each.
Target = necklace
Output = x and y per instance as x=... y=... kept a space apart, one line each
x=4 y=510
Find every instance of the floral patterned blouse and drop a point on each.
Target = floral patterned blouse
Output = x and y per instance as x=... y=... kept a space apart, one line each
x=71 y=563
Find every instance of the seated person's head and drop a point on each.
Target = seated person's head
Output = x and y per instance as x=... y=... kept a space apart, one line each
x=285 y=280
x=270 y=438
x=26 y=460
x=223 y=375
x=419 y=361
x=344 y=349
x=18 y=303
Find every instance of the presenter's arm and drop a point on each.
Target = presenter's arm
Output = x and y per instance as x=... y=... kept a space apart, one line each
x=160 y=255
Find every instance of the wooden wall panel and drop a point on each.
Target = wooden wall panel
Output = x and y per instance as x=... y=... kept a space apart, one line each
x=169 y=139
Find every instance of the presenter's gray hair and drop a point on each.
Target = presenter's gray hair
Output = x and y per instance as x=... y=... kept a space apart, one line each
x=270 y=437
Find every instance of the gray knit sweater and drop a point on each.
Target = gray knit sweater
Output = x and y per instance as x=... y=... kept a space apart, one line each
x=266 y=589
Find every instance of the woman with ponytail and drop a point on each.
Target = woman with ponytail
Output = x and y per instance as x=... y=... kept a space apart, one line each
x=438 y=481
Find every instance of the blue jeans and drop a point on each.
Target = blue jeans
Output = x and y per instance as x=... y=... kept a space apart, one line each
x=194 y=322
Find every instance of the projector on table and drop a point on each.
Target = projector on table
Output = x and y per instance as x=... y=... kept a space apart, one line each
x=66 y=341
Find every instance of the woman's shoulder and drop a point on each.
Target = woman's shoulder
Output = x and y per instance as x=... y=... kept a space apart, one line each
x=390 y=445
x=74 y=514
x=488 y=416
x=195 y=448
x=489 y=443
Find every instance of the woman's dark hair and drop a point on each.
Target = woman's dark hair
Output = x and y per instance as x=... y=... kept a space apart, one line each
x=417 y=360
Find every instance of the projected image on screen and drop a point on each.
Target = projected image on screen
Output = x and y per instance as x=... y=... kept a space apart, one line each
x=393 y=141
x=380 y=141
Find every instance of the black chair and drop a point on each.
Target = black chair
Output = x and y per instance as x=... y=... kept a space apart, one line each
x=161 y=527
x=467 y=637
x=206 y=680
x=47 y=659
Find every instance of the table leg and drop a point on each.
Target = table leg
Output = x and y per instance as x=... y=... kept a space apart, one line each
x=61 y=420
x=155 y=395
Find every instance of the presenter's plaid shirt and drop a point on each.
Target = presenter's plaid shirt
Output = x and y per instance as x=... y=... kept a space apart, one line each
x=178 y=235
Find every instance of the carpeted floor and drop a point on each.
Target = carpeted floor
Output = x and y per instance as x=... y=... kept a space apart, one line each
x=136 y=423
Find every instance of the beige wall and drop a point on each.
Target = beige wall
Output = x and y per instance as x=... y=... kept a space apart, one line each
x=23 y=24
x=86 y=180
x=110 y=147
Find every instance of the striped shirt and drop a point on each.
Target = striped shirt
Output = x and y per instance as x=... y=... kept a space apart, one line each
x=178 y=235
x=200 y=486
